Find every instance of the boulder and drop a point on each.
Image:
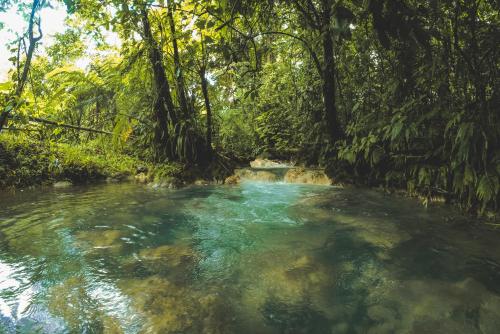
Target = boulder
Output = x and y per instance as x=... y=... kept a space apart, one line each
x=233 y=179
x=307 y=176
x=201 y=182
x=110 y=179
x=166 y=182
x=141 y=178
x=256 y=175
x=266 y=163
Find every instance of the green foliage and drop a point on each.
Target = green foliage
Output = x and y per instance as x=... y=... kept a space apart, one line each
x=236 y=133
x=402 y=94
x=278 y=121
x=25 y=162
x=167 y=171
x=415 y=121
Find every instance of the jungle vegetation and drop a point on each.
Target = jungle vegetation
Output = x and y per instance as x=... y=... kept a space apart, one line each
x=394 y=93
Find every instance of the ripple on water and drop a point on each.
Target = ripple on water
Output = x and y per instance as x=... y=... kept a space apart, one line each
x=255 y=258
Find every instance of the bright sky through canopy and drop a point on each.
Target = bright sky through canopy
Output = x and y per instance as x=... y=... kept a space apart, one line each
x=53 y=21
x=14 y=24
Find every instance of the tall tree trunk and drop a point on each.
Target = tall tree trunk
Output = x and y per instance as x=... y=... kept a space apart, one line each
x=179 y=77
x=328 y=75
x=164 y=106
x=33 y=40
x=204 y=89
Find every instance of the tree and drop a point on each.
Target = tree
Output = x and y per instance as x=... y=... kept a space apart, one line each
x=181 y=93
x=22 y=75
x=164 y=106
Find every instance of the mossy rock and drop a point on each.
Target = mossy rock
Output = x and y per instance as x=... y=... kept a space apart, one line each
x=167 y=307
x=71 y=301
x=307 y=176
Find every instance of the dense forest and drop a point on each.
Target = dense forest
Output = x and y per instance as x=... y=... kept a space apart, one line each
x=402 y=94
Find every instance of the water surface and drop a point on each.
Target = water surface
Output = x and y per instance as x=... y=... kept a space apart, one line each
x=254 y=258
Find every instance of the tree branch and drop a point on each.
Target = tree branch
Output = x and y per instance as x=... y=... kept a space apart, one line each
x=69 y=126
x=33 y=40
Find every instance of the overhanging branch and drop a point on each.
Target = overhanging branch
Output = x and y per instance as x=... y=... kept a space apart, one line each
x=62 y=125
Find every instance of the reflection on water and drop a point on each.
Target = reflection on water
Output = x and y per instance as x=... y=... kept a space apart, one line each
x=254 y=258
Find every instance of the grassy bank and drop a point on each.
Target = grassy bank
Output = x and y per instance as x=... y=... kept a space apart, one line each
x=26 y=162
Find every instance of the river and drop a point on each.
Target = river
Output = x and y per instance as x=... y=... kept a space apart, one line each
x=250 y=258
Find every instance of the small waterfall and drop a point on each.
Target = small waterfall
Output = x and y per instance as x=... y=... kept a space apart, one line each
x=264 y=163
x=262 y=174
x=271 y=171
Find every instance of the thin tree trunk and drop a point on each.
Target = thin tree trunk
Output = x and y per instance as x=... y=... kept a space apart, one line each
x=204 y=89
x=328 y=76
x=33 y=40
x=179 y=78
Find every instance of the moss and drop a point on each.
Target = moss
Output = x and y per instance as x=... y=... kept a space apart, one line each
x=234 y=179
x=169 y=255
x=166 y=171
x=71 y=301
x=25 y=162
x=110 y=240
x=175 y=262
x=170 y=308
x=296 y=280
x=307 y=176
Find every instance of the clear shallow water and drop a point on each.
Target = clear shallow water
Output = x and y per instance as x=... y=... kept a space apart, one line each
x=255 y=258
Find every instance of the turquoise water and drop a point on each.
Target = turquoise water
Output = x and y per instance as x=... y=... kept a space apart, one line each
x=253 y=258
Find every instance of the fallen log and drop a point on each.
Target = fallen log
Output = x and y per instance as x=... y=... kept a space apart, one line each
x=10 y=128
x=62 y=125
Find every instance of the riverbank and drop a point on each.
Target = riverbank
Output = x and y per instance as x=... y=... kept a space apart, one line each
x=267 y=170
x=393 y=181
x=26 y=163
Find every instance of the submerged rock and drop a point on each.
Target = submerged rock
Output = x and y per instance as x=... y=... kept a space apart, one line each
x=167 y=307
x=489 y=315
x=168 y=255
x=81 y=312
x=62 y=184
x=294 y=280
x=174 y=262
x=433 y=306
x=290 y=318
x=109 y=239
